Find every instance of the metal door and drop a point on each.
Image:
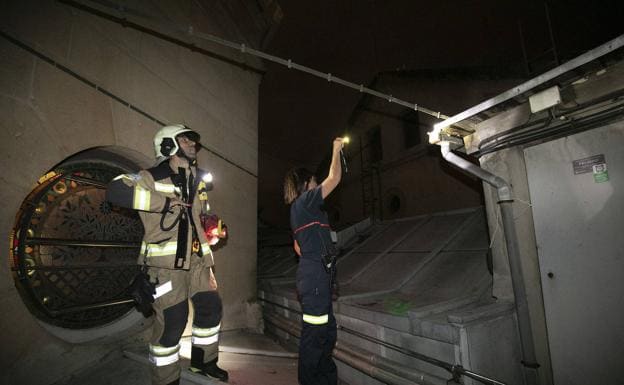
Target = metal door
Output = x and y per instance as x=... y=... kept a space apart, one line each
x=577 y=191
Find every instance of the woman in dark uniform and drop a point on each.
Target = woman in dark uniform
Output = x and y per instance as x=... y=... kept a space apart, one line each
x=312 y=242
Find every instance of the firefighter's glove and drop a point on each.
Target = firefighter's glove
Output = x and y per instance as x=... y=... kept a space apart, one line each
x=142 y=291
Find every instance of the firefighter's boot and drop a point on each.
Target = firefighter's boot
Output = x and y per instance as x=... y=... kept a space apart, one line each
x=210 y=369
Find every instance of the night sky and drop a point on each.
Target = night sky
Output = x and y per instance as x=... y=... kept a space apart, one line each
x=356 y=39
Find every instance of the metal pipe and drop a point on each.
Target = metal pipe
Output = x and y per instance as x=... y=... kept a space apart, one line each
x=145 y=27
x=502 y=187
x=294 y=329
x=389 y=366
x=88 y=181
x=256 y=352
x=529 y=360
x=77 y=267
x=455 y=370
x=75 y=309
x=407 y=352
x=80 y=243
x=389 y=372
x=372 y=370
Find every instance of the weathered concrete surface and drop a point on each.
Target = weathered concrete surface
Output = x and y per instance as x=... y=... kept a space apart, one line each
x=47 y=115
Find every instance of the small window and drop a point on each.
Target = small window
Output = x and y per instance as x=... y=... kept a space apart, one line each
x=394 y=204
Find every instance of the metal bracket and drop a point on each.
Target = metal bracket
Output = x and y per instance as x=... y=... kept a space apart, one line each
x=454 y=141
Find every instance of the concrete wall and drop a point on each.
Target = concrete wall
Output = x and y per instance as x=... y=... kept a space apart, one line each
x=46 y=115
x=510 y=165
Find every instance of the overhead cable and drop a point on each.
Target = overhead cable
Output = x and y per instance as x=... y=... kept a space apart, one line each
x=242 y=48
x=108 y=93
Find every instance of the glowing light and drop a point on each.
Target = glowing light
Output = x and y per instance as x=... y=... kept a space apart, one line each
x=207 y=177
x=60 y=188
x=346 y=140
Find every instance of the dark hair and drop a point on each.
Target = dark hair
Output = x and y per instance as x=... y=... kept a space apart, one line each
x=295 y=183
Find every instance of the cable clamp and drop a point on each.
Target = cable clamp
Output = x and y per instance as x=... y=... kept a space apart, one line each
x=329 y=77
x=243 y=48
x=289 y=63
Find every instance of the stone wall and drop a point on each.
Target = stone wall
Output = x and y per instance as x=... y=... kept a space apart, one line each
x=47 y=115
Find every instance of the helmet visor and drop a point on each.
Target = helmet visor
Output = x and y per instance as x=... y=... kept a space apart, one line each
x=191 y=135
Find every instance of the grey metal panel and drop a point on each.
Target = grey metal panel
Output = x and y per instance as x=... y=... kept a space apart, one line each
x=350 y=375
x=367 y=309
x=390 y=235
x=493 y=349
x=446 y=280
x=432 y=233
x=436 y=328
x=578 y=227
x=283 y=290
x=353 y=264
x=270 y=257
x=436 y=349
x=451 y=275
x=474 y=237
x=278 y=265
x=385 y=274
x=438 y=284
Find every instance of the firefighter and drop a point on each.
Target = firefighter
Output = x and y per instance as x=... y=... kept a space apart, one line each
x=312 y=242
x=172 y=201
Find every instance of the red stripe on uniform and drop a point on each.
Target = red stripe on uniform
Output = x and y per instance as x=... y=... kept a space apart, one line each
x=310 y=224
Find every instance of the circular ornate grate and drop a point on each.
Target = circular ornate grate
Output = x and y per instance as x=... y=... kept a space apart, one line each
x=73 y=254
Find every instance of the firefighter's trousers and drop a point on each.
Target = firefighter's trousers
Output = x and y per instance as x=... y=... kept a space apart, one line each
x=173 y=289
x=318 y=332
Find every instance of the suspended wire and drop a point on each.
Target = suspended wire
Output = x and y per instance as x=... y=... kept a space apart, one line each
x=104 y=91
x=244 y=49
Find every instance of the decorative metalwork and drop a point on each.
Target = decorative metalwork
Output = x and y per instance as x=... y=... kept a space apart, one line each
x=73 y=254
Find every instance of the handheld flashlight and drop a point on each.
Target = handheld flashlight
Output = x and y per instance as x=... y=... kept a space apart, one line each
x=343 y=160
x=207 y=178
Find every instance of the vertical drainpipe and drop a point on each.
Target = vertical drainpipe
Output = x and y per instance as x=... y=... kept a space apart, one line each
x=505 y=200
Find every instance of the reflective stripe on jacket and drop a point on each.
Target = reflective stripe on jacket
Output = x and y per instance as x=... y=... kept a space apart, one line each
x=150 y=192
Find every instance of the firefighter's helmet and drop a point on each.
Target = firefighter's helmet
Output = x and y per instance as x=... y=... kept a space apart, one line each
x=165 y=143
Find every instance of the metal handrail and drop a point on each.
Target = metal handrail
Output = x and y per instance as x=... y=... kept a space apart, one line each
x=455 y=370
x=79 y=243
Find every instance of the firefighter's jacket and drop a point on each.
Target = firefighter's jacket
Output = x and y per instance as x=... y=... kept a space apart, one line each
x=150 y=192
